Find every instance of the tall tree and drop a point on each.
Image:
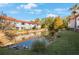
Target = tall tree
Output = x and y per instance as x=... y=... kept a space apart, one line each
x=58 y=22
x=46 y=21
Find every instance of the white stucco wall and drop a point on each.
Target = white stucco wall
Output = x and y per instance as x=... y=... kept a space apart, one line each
x=77 y=21
x=25 y=26
x=18 y=24
x=71 y=23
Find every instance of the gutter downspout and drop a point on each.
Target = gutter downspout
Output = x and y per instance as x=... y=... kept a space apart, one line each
x=75 y=25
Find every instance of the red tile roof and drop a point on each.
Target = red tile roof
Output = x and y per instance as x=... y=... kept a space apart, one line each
x=73 y=17
x=13 y=19
x=8 y=18
x=24 y=21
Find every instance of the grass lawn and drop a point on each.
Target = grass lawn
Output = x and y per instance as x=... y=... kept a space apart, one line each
x=8 y=51
x=68 y=43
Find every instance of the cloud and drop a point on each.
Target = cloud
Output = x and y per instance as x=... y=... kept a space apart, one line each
x=18 y=7
x=61 y=9
x=30 y=12
x=3 y=4
x=51 y=15
x=13 y=12
x=28 y=6
x=47 y=10
x=34 y=11
x=38 y=10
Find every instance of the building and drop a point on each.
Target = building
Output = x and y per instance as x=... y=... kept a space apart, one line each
x=20 y=24
x=7 y=22
x=74 y=22
x=11 y=23
x=37 y=23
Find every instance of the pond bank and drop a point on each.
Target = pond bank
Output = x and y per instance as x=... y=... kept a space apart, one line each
x=21 y=37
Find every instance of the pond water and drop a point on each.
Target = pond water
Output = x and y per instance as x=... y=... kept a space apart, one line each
x=28 y=43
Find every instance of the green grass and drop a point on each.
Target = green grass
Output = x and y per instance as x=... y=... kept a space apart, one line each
x=8 y=51
x=67 y=44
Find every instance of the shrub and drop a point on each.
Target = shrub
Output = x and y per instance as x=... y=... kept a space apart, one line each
x=34 y=27
x=10 y=35
x=39 y=46
x=51 y=29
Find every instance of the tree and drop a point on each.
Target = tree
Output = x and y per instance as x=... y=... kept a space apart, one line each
x=37 y=21
x=58 y=22
x=65 y=22
x=45 y=22
x=48 y=24
x=74 y=8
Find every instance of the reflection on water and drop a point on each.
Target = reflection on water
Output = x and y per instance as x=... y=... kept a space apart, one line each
x=25 y=44
x=28 y=43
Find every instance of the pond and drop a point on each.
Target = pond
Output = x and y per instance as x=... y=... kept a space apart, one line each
x=28 y=43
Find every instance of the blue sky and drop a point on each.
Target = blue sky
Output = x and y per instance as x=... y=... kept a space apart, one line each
x=30 y=11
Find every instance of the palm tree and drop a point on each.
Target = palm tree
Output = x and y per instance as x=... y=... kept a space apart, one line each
x=74 y=11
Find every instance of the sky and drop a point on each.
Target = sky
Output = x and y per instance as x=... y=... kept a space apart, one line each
x=30 y=11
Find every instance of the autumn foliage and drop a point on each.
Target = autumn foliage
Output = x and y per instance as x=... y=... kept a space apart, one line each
x=58 y=22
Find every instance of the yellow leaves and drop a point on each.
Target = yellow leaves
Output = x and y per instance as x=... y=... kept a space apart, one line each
x=58 y=22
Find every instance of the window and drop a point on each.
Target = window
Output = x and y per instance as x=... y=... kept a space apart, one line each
x=22 y=28
x=1 y=20
x=78 y=26
x=17 y=28
x=23 y=23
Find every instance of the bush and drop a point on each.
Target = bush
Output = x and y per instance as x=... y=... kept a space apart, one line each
x=10 y=35
x=34 y=27
x=39 y=46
